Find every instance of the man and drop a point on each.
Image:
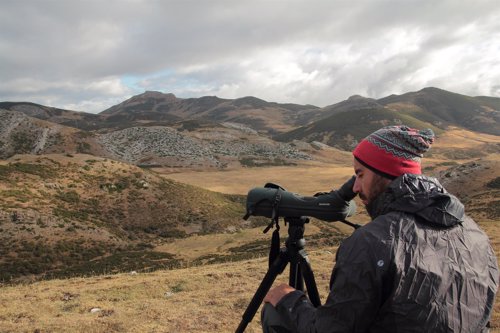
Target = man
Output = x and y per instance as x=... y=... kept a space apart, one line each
x=420 y=265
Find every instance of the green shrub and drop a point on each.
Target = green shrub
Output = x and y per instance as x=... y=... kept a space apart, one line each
x=71 y=196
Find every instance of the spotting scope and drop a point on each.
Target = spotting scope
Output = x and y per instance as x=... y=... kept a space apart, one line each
x=273 y=201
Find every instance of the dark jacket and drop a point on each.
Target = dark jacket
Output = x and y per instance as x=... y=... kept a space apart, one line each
x=421 y=265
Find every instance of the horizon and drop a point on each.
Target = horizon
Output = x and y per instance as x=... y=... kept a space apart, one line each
x=219 y=97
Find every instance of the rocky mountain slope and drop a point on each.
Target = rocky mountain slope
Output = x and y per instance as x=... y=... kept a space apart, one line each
x=213 y=147
x=21 y=134
x=188 y=144
x=477 y=184
x=80 y=120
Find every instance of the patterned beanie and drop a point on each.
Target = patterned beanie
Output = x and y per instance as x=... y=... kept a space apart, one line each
x=394 y=150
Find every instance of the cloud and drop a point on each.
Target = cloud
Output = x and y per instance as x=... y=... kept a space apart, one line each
x=88 y=54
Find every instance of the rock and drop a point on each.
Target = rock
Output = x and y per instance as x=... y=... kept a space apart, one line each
x=95 y=310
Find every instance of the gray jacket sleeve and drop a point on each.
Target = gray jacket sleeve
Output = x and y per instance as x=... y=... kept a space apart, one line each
x=356 y=290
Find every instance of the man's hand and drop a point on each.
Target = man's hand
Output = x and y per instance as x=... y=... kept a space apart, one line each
x=276 y=294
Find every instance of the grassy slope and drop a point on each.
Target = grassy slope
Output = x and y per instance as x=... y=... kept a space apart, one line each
x=345 y=129
x=451 y=108
x=80 y=214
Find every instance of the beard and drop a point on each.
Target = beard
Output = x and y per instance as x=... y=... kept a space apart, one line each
x=379 y=186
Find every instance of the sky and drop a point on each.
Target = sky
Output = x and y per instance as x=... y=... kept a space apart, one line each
x=90 y=55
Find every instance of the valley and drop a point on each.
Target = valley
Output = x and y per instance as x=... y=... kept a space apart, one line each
x=138 y=210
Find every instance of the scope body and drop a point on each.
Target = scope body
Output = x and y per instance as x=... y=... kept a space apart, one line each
x=262 y=201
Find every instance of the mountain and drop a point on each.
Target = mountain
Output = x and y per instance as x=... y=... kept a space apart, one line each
x=342 y=125
x=22 y=134
x=247 y=121
x=344 y=130
x=80 y=120
x=79 y=197
x=69 y=214
x=353 y=103
x=154 y=108
x=444 y=108
x=158 y=108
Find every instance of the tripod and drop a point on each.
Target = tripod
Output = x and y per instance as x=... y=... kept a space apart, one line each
x=300 y=270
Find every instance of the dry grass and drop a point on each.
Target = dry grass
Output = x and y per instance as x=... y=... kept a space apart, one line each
x=460 y=139
x=200 y=299
x=306 y=179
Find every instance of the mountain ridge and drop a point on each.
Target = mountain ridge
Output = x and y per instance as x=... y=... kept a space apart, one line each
x=480 y=113
x=340 y=125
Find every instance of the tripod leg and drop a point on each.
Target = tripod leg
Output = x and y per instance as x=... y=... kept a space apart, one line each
x=276 y=268
x=307 y=272
x=295 y=279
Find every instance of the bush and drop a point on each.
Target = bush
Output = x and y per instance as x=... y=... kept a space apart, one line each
x=83 y=147
x=70 y=197
x=495 y=183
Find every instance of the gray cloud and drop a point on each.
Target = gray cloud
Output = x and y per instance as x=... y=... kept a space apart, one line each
x=88 y=55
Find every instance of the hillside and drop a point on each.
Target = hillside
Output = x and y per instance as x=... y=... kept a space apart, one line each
x=76 y=119
x=345 y=129
x=353 y=103
x=65 y=214
x=190 y=144
x=343 y=124
x=444 y=108
x=477 y=184
x=22 y=134
x=193 y=144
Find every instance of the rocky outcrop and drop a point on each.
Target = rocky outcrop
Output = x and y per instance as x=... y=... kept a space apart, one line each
x=161 y=145
x=22 y=134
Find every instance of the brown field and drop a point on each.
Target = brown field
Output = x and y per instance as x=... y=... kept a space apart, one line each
x=208 y=298
x=306 y=179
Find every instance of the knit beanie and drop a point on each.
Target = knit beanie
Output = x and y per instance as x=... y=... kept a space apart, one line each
x=394 y=150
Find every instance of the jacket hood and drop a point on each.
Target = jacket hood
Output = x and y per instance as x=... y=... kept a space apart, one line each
x=423 y=197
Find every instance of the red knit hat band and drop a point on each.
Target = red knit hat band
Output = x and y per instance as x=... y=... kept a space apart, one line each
x=383 y=161
x=394 y=150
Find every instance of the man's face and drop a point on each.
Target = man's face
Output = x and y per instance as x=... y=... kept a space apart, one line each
x=368 y=184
